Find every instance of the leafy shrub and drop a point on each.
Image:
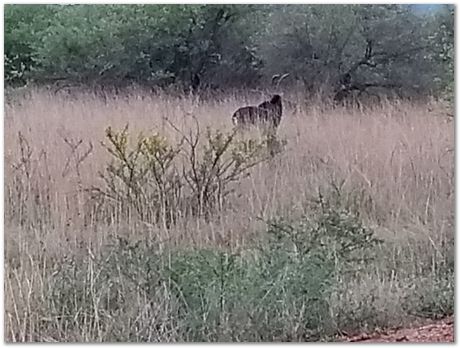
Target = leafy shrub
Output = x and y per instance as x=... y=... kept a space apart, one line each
x=277 y=291
x=221 y=160
x=281 y=290
x=151 y=178
x=329 y=231
x=142 y=178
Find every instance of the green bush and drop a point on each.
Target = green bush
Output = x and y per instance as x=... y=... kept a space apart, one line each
x=331 y=231
x=299 y=284
x=278 y=291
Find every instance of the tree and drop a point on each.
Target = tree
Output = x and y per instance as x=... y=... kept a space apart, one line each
x=345 y=48
x=341 y=50
x=24 y=26
x=442 y=50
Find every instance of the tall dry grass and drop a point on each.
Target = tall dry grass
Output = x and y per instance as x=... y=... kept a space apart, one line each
x=393 y=164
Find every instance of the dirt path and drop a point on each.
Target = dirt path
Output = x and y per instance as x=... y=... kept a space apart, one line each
x=436 y=331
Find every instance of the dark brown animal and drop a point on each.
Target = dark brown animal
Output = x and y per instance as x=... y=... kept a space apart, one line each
x=274 y=109
x=267 y=113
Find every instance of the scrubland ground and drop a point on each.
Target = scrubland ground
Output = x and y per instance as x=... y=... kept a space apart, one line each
x=349 y=227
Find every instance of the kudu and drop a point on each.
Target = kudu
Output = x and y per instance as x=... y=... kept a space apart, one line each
x=268 y=113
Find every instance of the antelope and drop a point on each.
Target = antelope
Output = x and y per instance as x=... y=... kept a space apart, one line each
x=267 y=113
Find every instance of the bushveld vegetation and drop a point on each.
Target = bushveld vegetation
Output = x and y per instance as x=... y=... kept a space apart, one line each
x=341 y=50
x=135 y=211
x=188 y=234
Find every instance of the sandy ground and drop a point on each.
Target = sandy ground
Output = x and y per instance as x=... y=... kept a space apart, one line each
x=436 y=331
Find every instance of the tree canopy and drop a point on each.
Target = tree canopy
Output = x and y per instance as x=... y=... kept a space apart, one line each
x=337 y=48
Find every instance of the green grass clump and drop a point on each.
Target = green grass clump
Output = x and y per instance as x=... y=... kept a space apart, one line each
x=278 y=290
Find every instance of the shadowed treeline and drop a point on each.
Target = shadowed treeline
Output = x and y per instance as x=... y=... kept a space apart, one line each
x=341 y=51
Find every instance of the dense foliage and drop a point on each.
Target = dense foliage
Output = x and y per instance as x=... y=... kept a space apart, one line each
x=343 y=49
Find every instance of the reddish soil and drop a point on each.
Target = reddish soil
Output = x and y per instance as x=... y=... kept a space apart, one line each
x=436 y=331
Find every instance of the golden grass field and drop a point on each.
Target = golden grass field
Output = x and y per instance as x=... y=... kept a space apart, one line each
x=394 y=162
